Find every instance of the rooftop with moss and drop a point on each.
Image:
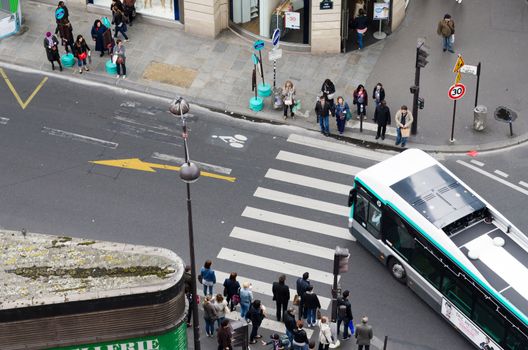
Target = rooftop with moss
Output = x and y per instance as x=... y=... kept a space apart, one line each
x=38 y=269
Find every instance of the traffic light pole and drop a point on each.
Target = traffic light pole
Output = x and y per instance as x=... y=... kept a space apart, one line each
x=414 y=126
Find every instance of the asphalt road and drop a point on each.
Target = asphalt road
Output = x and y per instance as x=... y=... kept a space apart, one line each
x=48 y=184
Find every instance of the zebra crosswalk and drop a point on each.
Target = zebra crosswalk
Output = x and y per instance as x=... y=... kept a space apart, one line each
x=294 y=220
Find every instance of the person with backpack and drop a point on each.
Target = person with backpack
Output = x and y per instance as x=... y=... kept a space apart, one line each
x=207 y=276
x=302 y=286
x=231 y=287
x=289 y=322
x=311 y=304
x=246 y=298
x=281 y=295
x=256 y=313
x=344 y=314
x=300 y=339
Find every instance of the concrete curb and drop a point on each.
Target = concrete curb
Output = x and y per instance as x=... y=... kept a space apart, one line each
x=364 y=140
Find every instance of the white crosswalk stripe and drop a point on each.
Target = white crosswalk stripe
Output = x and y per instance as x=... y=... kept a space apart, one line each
x=318 y=163
x=298 y=223
x=300 y=201
x=307 y=181
x=283 y=243
x=274 y=265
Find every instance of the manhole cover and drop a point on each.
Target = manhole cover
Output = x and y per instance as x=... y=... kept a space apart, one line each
x=170 y=74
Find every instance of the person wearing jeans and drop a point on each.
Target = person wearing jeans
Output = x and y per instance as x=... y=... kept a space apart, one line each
x=81 y=51
x=311 y=303
x=246 y=298
x=404 y=120
x=209 y=315
x=361 y=25
x=344 y=314
x=446 y=29
x=207 y=273
x=323 y=110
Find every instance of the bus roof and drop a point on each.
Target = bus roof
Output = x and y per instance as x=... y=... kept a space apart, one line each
x=42 y=269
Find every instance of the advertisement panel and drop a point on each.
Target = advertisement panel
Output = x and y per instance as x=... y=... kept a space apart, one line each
x=10 y=17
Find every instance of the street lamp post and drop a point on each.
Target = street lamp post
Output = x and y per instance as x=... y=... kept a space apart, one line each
x=189 y=173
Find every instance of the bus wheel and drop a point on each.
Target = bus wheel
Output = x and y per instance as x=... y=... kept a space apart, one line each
x=397 y=270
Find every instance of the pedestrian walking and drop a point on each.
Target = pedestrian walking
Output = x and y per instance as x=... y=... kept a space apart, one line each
x=325 y=334
x=302 y=286
x=342 y=114
x=360 y=99
x=382 y=117
x=224 y=336
x=281 y=295
x=404 y=121
x=119 y=58
x=61 y=12
x=51 y=44
x=289 y=322
x=119 y=19
x=207 y=275
x=288 y=98
x=98 y=31
x=344 y=314
x=311 y=304
x=65 y=31
x=300 y=339
x=221 y=309
x=209 y=313
x=323 y=111
x=378 y=94
x=256 y=313
x=81 y=51
x=130 y=10
x=328 y=90
x=187 y=280
x=231 y=288
x=363 y=334
x=446 y=29
x=246 y=298
x=360 y=23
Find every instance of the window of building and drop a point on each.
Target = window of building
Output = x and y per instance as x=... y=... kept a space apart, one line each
x=458 y=293
x=262 y=17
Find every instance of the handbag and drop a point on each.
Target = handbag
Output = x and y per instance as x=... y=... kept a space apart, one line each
x=405 y=132
x=235 y=299
x=200 y=279
x=82 y=56
x=296 y=300
x=120 y=60
x=318 y=314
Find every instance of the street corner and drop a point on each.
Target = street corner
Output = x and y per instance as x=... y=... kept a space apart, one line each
x=23 y=87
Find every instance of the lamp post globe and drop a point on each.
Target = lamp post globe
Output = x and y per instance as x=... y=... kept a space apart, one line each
x=189 y=172
x=179 y=107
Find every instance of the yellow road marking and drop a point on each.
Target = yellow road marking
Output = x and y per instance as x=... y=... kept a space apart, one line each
x=138 y=164
x=15 y=93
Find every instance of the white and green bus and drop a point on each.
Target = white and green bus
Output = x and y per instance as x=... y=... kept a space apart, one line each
x=451 y=247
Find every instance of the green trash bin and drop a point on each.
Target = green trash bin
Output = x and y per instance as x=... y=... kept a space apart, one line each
x=68 y=60
x=111 y=67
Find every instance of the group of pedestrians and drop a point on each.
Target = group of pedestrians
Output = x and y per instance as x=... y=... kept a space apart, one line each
x=101 y=35
x=307 y=312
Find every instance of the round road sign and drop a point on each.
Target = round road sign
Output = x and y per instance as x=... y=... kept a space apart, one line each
x=456 y=91
x=258 y=45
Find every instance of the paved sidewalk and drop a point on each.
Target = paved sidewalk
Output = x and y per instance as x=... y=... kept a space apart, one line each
x=217 y=74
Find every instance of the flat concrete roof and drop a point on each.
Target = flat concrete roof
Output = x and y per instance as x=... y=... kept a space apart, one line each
x=38 y=269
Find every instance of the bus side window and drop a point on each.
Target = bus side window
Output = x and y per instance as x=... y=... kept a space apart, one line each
x=397 y=233
x=361 y=210
x=368 y=215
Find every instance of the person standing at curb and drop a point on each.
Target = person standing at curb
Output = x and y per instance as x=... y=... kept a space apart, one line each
x=281 y=295
x=344 y=314
x=207 y=275
x=302 y=286
x=328 y=90
x=311 y=304
x=51 y=44
x=221 y=309
x=209 y=315
x=361 y=25
x=289 y=323
x=231 y=288
x=246 y=298
x=98 y=31
x=360 y=99
x=187 y=277
x=256 y=313
x=382 y=117
x=323 y=110
x=363 y=334
x=404 y=121
x=342 y=114
x=65 y=30
x=300 y=339
x=378 y=94
x=325 y=334
x=81 y=51
x=446 y=29
x=224 y=336
x=288 y=95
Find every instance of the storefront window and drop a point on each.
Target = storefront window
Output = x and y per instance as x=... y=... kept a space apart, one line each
x=156 y=8
x=261 y=17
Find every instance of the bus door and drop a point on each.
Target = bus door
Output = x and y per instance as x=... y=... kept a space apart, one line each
x=366 y=227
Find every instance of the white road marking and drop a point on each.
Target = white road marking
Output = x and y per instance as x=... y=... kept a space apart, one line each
x=298 y=223
x=318 y=163
x=159 y=127
x=348 y=149
x=501 y=173
x=491 y=176
x=3 y=120
x=78 y=137
x=522 y=183
x=476 y=162
x=307 y=181
x=283 y=243
x=265 y=263
x=264 y=288
x=300 y=201
x=203 y=166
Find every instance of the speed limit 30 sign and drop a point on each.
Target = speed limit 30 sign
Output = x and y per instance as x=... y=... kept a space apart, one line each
x=456 y=91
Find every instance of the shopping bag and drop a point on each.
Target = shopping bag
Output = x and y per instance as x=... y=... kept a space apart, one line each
x=351 y=327
x=106 y=22
x=297 y=106
x=296 y=300
x=405 y=132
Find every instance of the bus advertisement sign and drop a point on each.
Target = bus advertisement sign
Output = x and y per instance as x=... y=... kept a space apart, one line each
x=173 y=340
x=464 y=325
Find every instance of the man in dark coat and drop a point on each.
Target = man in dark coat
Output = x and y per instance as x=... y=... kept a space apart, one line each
x=281 y=295
x=289 y=322
x=65 y=31
x=323 y=109
x=303 y=283
x=344 y=314
x=224 y=336
x=51 y=44
x=187 y=280
x=382 y=117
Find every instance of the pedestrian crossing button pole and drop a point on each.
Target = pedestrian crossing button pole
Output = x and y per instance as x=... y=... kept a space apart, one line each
x=189 y=173
x=341 y=257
